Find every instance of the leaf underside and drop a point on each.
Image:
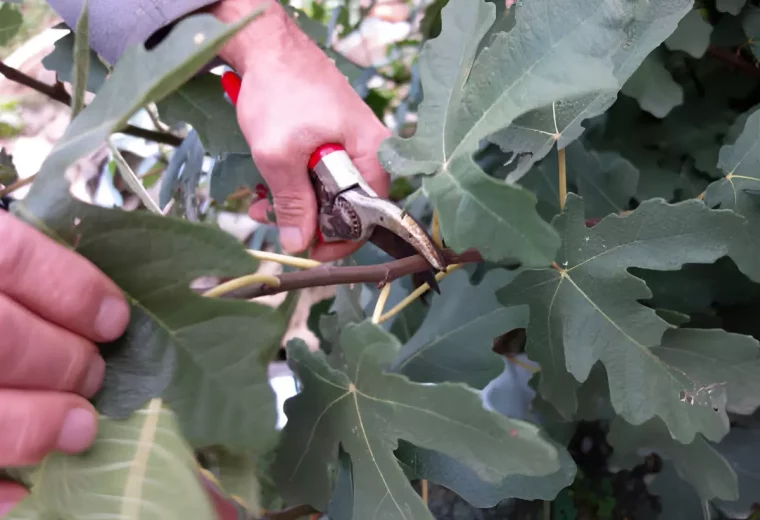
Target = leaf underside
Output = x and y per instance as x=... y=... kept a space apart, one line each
x=124 y=474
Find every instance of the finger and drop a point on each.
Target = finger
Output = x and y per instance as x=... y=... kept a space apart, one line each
x=10 y=495
x=58 y=284
x=37 y=354
x=260 y=211
x=35 y=423
x=285 y=171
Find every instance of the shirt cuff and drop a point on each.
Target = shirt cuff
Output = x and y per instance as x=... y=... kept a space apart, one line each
x=117 y=25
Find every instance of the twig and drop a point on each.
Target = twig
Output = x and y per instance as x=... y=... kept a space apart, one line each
x=291 y=513
x=242 y=282
x=731 y=58
x=132 y=180
x=381 y=301
x=58 y=93
x=293 y=261
x=562 y=178
x=326 y=275
x=419 y=291
x=17 y=185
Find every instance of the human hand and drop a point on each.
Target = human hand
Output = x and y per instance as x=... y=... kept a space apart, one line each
x=292 y=100
x=54 y=306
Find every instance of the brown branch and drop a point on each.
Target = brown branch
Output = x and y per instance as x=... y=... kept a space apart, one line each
x=58 y=93
x=734 y=59
x=326 y=275
x=291 y=513
x=17 y=185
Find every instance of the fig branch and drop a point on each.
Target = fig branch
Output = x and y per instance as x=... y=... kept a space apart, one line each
x=58 y=93
x=326 y=275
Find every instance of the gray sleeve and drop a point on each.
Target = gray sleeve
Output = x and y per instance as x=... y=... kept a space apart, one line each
x=118 y=24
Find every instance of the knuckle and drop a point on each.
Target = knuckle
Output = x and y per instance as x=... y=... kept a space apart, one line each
x=269 y=152
x=289 y=206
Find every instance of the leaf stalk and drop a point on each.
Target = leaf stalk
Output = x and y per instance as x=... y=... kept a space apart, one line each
x=242 y=282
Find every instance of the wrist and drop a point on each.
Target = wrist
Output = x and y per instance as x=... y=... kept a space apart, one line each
x=272 y=39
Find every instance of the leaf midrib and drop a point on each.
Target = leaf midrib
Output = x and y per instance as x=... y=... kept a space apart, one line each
x=643 y=348
x=372 y=456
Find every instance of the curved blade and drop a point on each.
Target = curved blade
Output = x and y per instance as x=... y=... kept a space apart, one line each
x=376 y=213
x=399 y=248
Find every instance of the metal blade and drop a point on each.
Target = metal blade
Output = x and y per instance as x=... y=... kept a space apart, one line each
x=398 y=248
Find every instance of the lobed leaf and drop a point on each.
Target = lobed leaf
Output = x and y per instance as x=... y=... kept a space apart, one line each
x=455 y=341
x=586 y=310
x=206 y=358
x=11 y=21
x=739 y=191
x=356 y=405
x=692 y=35
x=653 y=87
x=622 y=32
x=702 y=466
x=448 y=472
x=466 y=99
x=733 y=7
x=740 y=448
x=201 y=103
x=61 y=61
x=183 y=172
x=714 y=355
x=678 y=498
x=604 y=179
x=231 y=172
x=123 y=475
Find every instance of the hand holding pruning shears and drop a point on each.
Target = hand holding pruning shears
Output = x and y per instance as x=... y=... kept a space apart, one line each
x=347 y=209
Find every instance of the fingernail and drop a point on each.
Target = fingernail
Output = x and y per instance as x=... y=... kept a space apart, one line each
x=291 y=238
x=78 y=432
x=94 y=377
x=112 y=318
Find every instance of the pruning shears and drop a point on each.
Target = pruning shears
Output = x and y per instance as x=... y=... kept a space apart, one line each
x=350 y=210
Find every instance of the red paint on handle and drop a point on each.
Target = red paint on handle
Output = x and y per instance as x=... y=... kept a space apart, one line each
x=322 y=152
x=231 y=83
x=319 y=154
x=261 y=191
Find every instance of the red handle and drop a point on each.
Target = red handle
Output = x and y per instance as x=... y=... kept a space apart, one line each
x=231 y=84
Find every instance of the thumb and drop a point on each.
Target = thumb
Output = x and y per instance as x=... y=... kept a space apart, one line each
x=295 y=208
x=295 y=203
